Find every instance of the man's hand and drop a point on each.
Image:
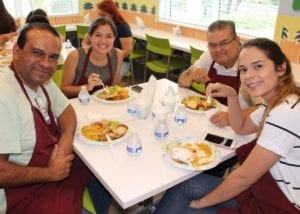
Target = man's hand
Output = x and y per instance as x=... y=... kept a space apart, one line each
x=59 y=167
x=199 y=74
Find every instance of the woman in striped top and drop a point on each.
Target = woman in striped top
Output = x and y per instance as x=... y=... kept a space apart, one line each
x=268 y=179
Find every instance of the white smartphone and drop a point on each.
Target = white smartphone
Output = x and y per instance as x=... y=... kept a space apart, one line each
x=226 y=143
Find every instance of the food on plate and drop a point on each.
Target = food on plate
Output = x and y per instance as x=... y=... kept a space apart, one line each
x=114 y=93
x=199 y=103
x=5 y=62
x=194 y=154
x=4 y=53
x=96 y=131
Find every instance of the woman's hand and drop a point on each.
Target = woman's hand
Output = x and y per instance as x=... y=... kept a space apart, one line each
x=93 y=80
x=220 y=119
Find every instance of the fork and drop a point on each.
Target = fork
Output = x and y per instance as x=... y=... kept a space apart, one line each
x=104 y=88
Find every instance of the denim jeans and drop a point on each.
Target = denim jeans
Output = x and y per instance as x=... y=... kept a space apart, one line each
x=100 y=196
x=178 y=198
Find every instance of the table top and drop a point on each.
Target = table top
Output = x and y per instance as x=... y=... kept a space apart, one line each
x=131 y=180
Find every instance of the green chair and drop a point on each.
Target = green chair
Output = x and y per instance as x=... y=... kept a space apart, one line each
x=195 y=54
x=81 y=32
x=61 y=29
x=57 y=76
x=165 y=62
x=87 y=202
x=137 y=53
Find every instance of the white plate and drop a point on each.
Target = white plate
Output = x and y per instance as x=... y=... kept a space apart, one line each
x=95 y=95
x=101 y=143
x=216 y=155
x=198 y=111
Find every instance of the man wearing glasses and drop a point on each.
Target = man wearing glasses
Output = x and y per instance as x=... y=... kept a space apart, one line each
x=218 y=64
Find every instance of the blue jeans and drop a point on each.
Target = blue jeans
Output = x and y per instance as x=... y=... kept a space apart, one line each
x=178 y=198
x=100 y=196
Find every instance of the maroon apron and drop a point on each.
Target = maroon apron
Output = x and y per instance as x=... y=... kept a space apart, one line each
x=83 y=79
x=234 y=82
x=262 y=197
x=52 y=197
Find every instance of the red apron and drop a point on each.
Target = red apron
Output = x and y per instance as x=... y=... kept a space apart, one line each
x=262 y=197
x=52 y=197
x=83 y=79
x=234 y=82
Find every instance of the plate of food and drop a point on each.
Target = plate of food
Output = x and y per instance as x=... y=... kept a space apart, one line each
x=95 y=132
x=112 y=94
x=199 y=104
x=192 y=155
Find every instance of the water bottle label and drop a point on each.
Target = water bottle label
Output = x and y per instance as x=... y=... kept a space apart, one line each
x=134 y=150
x=131 y=110
x=180 y=120
x=84 y=100
x=161 y=135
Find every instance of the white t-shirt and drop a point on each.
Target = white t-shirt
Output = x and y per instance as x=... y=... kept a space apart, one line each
x=281 y=135
x=205 y=62
x=17 y=129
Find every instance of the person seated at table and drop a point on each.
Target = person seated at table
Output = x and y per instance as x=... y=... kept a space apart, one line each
x=124 y=40
x=8 y=25
x=38 y=171
x=268 y=179
x=219 y=64
x=96 y=64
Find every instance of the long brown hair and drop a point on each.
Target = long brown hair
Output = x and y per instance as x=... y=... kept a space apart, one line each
x=286 y=84
x=110 y=7
x=7 y=23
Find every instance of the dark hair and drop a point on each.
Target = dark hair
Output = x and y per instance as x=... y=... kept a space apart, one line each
x=38 y=18
x=110 y=7
x=7 y=23
x=286 y=84
x=222 y=24
x=39 y=12
x=103 y=21
x=35 y=25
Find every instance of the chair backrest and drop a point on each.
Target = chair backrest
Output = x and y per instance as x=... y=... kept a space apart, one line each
x=195 y=54
x=158 y=45
x=57 y=76
x=61 y=29
x=81 y=31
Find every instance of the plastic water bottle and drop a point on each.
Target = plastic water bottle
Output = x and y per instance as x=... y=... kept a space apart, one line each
x=169 y=99
x=134 y=145
x=84 y=96
x=131 y=107
x=68 y=44
x=180 y=116
x=161 y=131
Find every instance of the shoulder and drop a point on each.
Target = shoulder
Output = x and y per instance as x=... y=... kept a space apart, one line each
x=124 y=30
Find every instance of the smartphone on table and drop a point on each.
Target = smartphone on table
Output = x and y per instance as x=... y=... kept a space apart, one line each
x=137 y=88
x=223 y=142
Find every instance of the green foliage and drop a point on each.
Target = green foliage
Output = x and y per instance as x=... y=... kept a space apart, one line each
x=144 y=9
x=88 y=6
x=133 y=7
x=125 y=6
x=153 y=10
x=296 y=5
x=284 y=33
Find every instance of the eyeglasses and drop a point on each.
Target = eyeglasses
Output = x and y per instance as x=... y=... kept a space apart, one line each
x=221 y=45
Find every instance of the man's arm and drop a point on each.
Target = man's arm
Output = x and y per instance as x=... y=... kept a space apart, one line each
x=13 y=175
x=67 y=123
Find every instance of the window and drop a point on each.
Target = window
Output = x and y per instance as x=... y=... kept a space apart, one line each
x=252 y=17
x=19 y=8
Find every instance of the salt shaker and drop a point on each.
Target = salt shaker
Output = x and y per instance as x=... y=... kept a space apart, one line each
x=134 y=145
